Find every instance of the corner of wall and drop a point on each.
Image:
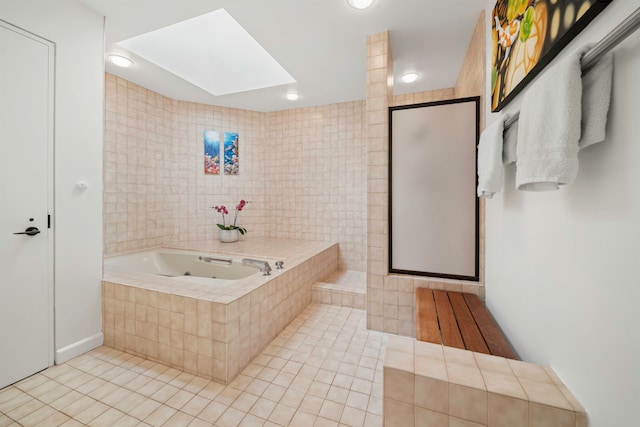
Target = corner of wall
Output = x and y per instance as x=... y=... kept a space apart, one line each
x=391 y=298
x=471 y=82
x=77 y=348
x=379 y=96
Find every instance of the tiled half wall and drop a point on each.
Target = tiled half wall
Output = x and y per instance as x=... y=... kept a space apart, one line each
x=209 y=335
x=432 y=385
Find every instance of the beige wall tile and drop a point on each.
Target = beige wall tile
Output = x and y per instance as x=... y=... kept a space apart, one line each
x=425 y=417
x=432 y=394
x=459 y=356
x=529 y=371
x=399 y=385
x=503 y=384
x=544 y=416
x=465 y=375
x=468 y=403
x=458 y=422
x=303 y=170
x=431 y=368
x=581 y=420
x=492 y=363
x=545 y=393
x=398 y=414
x=507 y=411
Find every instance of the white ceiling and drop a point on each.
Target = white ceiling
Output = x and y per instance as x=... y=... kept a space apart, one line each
x=321 y=43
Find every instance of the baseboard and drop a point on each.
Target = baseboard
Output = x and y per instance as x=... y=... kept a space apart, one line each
x=78 y=348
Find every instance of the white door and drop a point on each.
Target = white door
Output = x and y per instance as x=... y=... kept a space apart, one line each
x=26 y=170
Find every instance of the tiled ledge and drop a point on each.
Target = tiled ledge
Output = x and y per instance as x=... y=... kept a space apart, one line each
x=391 y=300
x=342 y=288
x=332 y=294
x=431 y=385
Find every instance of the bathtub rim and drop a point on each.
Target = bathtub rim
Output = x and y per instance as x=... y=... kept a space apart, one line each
x=293 y=257
x=235 y=260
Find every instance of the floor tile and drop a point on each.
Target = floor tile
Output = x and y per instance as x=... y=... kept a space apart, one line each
x=324 y=369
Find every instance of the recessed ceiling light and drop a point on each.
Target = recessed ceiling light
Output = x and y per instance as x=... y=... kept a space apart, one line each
x=360 y=4
x=410 y=77
x=120 y=61
x=292 y=96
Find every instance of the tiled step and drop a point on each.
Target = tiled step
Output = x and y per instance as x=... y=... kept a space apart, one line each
x=343 y=288
x=431 y=384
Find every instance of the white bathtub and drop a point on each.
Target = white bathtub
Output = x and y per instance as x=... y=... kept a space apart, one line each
x=223 y=269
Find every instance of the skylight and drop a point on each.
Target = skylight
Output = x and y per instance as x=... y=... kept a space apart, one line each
x=213 y=52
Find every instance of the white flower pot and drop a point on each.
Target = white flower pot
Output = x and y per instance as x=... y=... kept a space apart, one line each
x=228 y=236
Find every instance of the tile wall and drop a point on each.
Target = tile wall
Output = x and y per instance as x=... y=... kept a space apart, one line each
x=303 y=170
x=196 y=192
x=317 y=173
x=423 y=97
x=317 y=179
x=379 y=97
x=138 y=204
x=471 y=81
x=391 y=298
x=472 y=74
x=155 y=190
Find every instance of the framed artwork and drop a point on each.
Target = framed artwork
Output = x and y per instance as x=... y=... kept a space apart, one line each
x=231 y=166
x=433 y=207
x=211 y=152
x=527 y=35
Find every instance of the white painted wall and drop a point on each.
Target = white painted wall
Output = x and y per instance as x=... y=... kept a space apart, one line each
x=79 y=85
x=562 y=267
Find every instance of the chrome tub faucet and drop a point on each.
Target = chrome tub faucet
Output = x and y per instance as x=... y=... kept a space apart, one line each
x=262 y=265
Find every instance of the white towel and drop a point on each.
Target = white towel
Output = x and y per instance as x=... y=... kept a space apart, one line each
x=490 y=168
x=510 y=144
x=549 y=128
x=596 y=98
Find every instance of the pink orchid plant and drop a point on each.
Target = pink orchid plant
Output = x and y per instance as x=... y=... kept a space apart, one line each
x=224 y=211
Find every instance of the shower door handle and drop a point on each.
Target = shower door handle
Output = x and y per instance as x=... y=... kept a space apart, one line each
x=30 y=231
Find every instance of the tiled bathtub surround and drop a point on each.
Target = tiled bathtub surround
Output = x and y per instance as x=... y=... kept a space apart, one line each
x=208 y=331
x=430 y=384
x=303 y=170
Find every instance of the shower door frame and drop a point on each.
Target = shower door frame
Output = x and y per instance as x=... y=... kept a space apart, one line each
x=475 y=275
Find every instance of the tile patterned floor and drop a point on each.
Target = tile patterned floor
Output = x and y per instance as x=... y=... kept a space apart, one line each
x=324 y=369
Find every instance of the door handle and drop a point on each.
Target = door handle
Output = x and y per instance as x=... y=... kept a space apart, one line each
x=30 y=231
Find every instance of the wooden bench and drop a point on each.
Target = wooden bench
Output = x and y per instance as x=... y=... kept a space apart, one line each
x=458 y=320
